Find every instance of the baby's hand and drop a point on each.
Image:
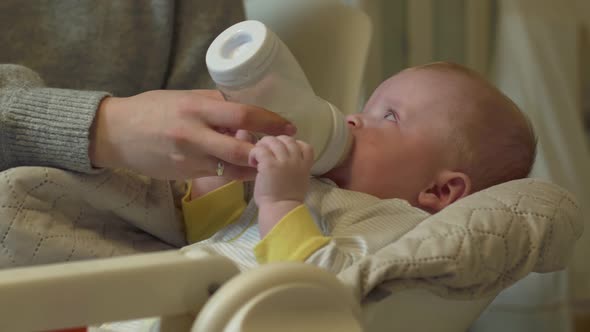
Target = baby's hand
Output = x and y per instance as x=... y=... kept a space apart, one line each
x=283 y=165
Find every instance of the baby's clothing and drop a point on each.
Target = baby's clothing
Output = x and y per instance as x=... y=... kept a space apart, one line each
x=49 y=215
x=333 y=229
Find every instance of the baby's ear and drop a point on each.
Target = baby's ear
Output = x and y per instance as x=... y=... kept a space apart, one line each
x=448 y=187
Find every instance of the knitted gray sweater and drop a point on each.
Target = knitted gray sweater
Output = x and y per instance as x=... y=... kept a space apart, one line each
x=60 y=58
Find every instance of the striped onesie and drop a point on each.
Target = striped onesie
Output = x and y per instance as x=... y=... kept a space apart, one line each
x=332 y=229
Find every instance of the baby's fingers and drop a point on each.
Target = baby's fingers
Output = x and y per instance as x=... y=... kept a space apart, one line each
x=306 y=152
x=276 y=147
x=260 y=154
x=294 y=150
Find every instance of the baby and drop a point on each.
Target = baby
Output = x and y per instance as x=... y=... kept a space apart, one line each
x=428 y=136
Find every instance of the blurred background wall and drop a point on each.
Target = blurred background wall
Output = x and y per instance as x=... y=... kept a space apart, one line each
x=538 y=53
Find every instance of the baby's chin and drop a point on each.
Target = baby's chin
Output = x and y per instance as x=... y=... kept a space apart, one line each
x=339 y=175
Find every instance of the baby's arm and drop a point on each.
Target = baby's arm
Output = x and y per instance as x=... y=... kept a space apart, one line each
x=282 y=182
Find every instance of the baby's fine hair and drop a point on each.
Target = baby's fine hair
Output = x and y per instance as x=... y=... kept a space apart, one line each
x=495 y=141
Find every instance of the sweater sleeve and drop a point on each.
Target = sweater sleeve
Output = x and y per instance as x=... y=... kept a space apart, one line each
x=41 y=126
x=211 y=212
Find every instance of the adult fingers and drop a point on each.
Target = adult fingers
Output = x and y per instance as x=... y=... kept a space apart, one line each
x=238 y=116
x=224 y=147
x=235 y=172
x=210 y=166
x=244 y=135
x=215 y=94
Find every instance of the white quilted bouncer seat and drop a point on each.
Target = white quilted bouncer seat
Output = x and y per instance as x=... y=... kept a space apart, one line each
x=438 y=276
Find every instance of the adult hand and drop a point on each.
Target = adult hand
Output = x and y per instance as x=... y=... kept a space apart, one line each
x=170 y=134
x=206 y=184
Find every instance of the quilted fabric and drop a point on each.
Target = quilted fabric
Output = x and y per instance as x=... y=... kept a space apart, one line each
x=48 y=215
x=475 y=247
x=479 y=245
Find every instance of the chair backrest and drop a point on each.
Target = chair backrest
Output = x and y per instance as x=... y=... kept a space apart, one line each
x=329 y=39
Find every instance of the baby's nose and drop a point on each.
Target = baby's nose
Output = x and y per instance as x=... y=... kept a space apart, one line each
x=354 y=120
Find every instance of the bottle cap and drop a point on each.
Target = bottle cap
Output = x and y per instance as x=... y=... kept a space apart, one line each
x=241 y=54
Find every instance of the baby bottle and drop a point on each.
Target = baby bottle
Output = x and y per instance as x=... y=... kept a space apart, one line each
x=251 y=65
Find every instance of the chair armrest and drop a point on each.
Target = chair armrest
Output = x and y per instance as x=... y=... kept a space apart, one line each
x=275 y=296
x=101 y=290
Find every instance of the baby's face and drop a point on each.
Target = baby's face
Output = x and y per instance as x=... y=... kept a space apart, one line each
x=399 y=138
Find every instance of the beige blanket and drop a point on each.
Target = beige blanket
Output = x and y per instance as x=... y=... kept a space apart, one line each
x=48 y=215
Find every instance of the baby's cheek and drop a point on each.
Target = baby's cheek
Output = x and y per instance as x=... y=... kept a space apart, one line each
x=366 y=139
x=369 y=153
x=370 y=139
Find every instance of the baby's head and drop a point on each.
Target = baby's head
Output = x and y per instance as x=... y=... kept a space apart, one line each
x=433 y=134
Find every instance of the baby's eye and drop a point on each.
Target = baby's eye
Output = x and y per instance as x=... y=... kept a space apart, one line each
x=390 y=116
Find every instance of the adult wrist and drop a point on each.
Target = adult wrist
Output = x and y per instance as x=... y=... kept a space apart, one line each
x=101 y=151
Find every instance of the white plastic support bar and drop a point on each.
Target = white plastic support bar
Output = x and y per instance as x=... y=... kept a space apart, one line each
x=102 y=290
x=282 y=297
